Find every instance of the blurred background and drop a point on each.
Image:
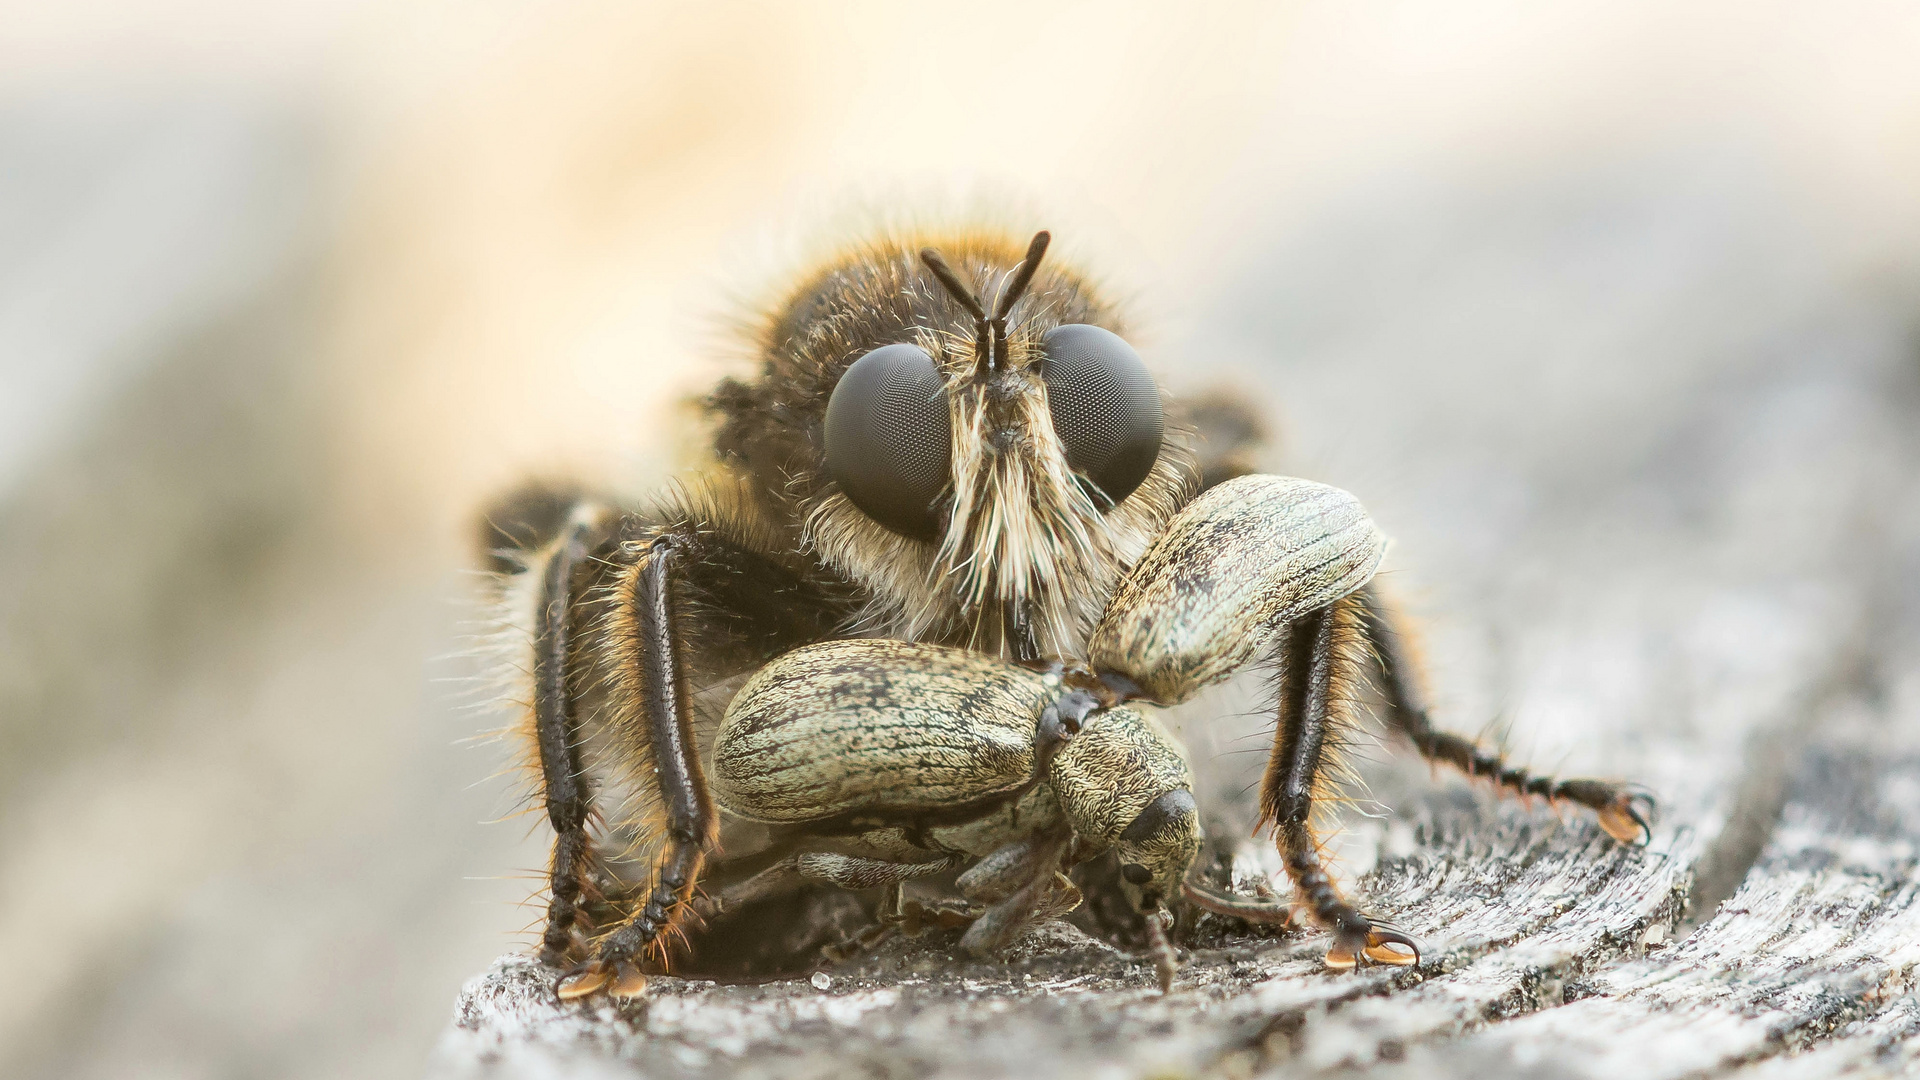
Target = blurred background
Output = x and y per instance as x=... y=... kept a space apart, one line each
x=286 y=290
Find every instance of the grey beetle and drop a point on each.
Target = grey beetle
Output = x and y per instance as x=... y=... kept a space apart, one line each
x=878 y=761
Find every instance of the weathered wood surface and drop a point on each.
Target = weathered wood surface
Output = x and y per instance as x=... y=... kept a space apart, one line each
x=1698 y=571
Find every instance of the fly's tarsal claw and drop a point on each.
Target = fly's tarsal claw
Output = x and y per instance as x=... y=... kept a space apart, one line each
x=628 y=981
x=621 y=979
x=1389 y=945
x=1628 y=818
x=1384 y=945
x=583 y=980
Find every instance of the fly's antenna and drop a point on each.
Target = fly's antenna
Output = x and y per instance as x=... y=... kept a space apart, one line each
x=1022 y=277
x=1016 y=288
x=953 y=284
x=990 y=331
x=982 y=348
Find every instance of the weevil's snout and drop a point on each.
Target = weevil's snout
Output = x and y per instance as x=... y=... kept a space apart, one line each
x=1157 y=848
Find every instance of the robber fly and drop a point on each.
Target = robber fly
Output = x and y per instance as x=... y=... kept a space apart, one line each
x=951 y=451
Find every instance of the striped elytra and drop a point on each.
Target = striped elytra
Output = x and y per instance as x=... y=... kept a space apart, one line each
x=1232 y=569
x=875 y=726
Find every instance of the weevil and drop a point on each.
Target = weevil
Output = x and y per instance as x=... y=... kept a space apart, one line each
x=876 y=762
x=949 y=441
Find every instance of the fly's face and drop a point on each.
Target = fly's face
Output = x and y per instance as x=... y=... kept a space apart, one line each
x=1006 y=447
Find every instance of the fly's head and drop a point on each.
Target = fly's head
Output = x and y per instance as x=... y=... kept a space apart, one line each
x=992 y=453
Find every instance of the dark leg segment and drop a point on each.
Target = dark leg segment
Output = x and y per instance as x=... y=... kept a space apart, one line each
x=650 y=668
x=1310 y=687
x=1622 y=813
x=628 y=610
x=557 y=734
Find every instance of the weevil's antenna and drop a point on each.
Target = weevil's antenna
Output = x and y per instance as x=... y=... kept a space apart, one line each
x=989 y=332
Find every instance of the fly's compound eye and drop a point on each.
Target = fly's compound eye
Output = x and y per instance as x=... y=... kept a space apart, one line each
x=889 y=438
x=1106 y=409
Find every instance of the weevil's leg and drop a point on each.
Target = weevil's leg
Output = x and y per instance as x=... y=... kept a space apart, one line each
x=1622 y=812
x=854 y=872
x=1001 y=872
x=1045 y=894
x=1062 y=897
x=1008 y=869
x=890 y=921
x=569 y=797
x=825 y=868
x=841 y=952
x=1265 y=908
x=1166 y=962
x=1313 y=663
x=918 y=916
x=779 y=879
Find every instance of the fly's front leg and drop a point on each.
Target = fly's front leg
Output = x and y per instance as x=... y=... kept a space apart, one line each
x=1622 y=811
x=655 y=710
x=616 y=605
x=566 y=789
x=688 y=592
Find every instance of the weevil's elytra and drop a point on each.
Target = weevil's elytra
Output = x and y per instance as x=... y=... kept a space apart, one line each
x=951 y=448
x=827 y=739
x=889 y=761
x=846 y=725
x=1236 y=567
